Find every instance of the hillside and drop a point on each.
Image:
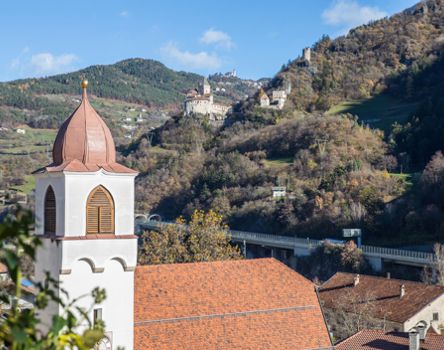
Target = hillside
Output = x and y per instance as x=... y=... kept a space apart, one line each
x=133 y=96
x=325 y=146
x=372 y=71
x=148 y=84
x=338 y=172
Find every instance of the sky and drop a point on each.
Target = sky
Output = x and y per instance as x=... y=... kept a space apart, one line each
x=255 y=37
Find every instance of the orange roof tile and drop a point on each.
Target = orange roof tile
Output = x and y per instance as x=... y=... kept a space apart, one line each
x=384 y=294
x=248 y=304
x=378 y=340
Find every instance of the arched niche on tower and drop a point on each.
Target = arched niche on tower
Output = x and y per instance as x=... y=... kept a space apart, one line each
x=50 y=212
x=123 y=263
x=100 y=210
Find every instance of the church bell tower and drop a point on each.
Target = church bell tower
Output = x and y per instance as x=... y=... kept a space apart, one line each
x=85 y=218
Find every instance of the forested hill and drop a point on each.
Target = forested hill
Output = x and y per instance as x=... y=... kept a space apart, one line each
x=385 y=57
x=337 y=171
x=139 y=81
x=132 y=80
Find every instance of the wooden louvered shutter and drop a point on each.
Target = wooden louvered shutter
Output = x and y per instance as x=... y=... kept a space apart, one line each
x=50 y=212
x=100 y=212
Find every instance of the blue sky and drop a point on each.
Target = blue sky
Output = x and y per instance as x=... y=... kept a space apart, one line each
x=255 y=37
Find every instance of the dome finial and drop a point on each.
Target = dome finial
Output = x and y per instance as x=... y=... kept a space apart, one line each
x=84 y=84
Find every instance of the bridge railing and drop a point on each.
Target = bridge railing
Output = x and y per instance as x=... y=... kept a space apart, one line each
x=293 y=242
x=394 y=252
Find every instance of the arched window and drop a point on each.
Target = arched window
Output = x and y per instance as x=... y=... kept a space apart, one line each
x=50 y=212
x=100 y=211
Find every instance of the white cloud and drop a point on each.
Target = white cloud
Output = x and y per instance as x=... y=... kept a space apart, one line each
x=349 y=14
x=46 y=63
x=218 y=38
x=193 y=60
x=124 y=13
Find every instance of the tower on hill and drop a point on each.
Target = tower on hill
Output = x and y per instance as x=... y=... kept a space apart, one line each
x=205 y=87
x=306 y=54
x=85 y=218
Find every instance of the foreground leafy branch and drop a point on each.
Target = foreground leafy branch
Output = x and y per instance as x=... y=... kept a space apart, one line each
x=21 y=329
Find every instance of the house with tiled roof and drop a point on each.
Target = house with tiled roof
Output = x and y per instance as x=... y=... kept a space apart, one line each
x=403 y=304
x=244 y=304
x=379 y=340
x=85 y=219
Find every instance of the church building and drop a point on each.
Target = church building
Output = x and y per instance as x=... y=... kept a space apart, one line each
x=85 y=218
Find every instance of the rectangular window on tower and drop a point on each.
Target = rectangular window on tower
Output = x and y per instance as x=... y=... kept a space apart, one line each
x=97 y=315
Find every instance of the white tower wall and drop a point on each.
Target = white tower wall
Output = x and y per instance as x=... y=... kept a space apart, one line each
x=81 y=262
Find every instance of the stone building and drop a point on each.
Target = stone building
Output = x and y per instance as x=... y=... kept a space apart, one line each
x=264 y=100
x=278 y=97
x=201 y=101
x=306 y=54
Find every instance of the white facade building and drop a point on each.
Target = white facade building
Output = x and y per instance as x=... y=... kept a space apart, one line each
x=202 y=102
x=279 y=191
x=85 y=216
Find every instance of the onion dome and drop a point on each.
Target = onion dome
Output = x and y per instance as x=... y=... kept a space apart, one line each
x=84 y=142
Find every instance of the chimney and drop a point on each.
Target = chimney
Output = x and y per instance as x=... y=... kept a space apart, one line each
x=402 y=291
x=356 y=280
x=388 y=275
x=422 y=330
x=413 y=339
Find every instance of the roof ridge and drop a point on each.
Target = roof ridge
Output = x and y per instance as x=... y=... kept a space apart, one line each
x=350 y=337
x=250 y=261
x=385 y=279
x=228 y=314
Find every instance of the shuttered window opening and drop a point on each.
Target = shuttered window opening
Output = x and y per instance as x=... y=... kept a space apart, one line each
x=50 y=212
x=100 y=212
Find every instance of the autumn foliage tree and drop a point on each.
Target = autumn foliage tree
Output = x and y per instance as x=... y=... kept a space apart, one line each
x=204 y=238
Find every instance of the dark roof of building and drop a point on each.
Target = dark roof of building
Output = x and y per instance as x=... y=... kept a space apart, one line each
x=379 y=340
x=383 y=293
x=243 y=304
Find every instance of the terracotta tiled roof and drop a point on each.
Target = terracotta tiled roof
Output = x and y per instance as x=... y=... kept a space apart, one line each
x=378 y=340
x=245 y=304
x=3 y=268
x=384 y=294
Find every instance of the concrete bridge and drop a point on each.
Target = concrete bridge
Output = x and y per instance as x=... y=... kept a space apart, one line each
x=285 y=247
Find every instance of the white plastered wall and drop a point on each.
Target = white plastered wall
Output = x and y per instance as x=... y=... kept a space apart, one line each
x=118 y=308
x=71 y=214
x=426 y=314
x=81 y=264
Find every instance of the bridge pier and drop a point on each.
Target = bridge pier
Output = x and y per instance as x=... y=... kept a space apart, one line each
x=375 y=262
x=301 y=251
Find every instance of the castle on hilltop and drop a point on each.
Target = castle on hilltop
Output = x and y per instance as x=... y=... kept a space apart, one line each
x=201 y=101
x=278 y=97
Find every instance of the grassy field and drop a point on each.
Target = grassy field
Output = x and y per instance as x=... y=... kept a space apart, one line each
x=27 y=187
x=21 y=154
x=379 y=111
x=278 y=163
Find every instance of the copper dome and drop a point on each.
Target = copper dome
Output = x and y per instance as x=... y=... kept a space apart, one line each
x=84 y=142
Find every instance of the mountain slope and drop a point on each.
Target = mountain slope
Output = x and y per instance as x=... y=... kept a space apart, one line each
x=143 y=82
x=337 y=172
x=382 y=57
